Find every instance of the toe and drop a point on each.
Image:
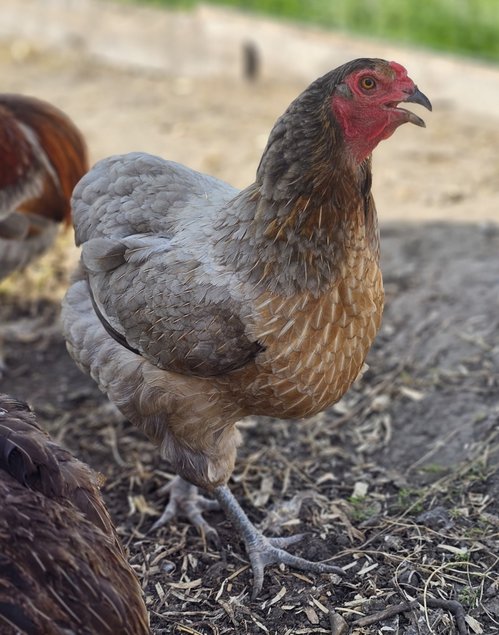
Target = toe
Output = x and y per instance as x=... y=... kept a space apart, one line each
x=208 y=504
x=186 y=502
x=264 y=551
x=258 y=568
x=286 y=541
x=168 y=514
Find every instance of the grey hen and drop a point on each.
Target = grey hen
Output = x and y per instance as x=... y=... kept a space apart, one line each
x=196 y=305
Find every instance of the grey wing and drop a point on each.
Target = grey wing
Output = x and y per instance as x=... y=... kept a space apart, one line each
x=157 y=291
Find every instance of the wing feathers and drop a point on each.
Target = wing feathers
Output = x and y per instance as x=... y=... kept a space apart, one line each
x=102 y=254
x=146 y=228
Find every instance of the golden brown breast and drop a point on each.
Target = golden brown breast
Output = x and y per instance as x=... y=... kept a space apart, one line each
x=315 y=347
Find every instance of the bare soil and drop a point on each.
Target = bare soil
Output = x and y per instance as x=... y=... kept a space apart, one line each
x=398 y=483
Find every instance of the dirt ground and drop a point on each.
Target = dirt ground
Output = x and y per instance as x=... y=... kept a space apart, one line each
x=398 y=483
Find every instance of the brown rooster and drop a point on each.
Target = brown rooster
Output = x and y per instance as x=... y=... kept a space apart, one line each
x=62 y=567
x=197 y=305
x=42 y=157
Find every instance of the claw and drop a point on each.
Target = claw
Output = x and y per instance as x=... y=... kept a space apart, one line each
x=187 y=502
x=263 y=551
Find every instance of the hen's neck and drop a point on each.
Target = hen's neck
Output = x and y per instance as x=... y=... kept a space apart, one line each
x=294 y=228
x=313 y=207
x=301 y=242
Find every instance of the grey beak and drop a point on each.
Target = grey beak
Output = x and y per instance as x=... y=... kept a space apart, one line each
x=417 y=97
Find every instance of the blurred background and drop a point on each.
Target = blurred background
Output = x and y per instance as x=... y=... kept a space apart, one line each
x=204 y=83
x=468 y=27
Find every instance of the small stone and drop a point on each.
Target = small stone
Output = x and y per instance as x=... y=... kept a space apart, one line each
x=436 y=518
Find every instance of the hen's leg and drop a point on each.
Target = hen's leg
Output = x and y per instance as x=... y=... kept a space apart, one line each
x=186 y=501
x=261 y=550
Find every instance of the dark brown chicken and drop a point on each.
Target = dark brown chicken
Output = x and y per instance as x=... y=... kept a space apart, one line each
x=197 y=305
x=62 y=568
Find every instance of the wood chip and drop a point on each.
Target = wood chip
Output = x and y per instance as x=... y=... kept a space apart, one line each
x=341 y=408
x=380 y=403
x=277 y=597
x=238 y=572
x=186 y=585
x=473 y=624
x=339 y=626
x=140 y=505
x=160 y=591
x=458 y=551
x=328 y=476
x=367 y=568
x=220 y=591
x=261 y=498
x=360 y=489
x=259 y=624
x=311 y=614
x=300 y=576
x=320 y=606
x=229 y=609
x=410 y=393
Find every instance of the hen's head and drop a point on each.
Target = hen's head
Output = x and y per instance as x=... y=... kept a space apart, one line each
x=365 y=103
x=336 y=122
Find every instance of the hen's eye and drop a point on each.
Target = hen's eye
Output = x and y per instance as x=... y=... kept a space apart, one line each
x=367 y=83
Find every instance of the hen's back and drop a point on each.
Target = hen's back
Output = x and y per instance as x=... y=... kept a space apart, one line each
x=139 y=193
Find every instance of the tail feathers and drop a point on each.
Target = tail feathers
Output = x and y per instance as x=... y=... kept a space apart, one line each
x=62 y=143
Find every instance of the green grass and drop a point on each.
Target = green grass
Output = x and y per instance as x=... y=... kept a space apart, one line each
x=469 y=27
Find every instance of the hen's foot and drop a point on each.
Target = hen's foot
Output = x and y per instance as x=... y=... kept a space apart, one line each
x=261 y=550
x=186 y=501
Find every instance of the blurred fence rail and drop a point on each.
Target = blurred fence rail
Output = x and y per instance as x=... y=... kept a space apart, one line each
x=211 y=41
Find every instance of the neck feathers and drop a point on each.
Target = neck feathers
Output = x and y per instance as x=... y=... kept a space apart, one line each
x=309 y=206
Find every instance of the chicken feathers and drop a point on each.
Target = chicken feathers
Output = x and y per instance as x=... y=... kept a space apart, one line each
x=62 y=567
x=43 y=155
